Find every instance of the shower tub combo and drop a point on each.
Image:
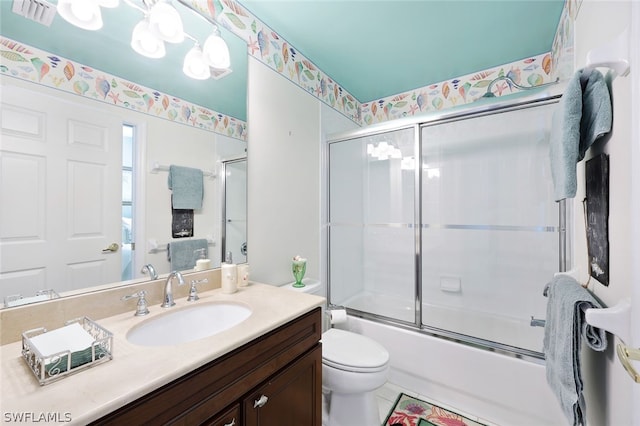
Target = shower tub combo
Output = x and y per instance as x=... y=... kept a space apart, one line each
x=442 y=233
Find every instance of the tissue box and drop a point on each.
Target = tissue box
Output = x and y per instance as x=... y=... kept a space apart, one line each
x=52 y=355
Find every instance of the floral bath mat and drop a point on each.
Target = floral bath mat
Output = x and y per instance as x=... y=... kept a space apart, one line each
x=410 y=411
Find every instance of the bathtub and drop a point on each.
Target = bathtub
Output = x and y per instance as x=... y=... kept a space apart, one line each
x=502 y=389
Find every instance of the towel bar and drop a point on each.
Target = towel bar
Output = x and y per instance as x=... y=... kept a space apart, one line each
x=157 y=167
x=153 y=246
x=614 y=55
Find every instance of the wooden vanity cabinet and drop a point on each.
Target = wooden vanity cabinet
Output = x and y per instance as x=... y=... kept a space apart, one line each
x=284 y=366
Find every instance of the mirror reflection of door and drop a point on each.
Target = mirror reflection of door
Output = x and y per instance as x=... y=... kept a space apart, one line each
x=234 y=215
x=60 y=180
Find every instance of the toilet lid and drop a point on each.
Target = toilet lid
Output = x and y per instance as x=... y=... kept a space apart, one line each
x=352 y=352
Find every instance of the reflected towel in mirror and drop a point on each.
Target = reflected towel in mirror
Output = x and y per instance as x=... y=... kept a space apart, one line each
x=187 y=187
x=183 y=255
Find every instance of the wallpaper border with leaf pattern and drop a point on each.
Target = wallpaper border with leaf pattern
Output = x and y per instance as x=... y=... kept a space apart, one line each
x=37 y=66
x=267 y=46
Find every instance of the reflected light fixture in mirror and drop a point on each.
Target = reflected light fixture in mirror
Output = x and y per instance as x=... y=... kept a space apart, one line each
x=84 y=14
x=216 y=51
x=195 y=65
x=161 y=23
x=144 y=42
x=165 y=22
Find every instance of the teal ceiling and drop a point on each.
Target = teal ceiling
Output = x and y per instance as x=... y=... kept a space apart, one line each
x=372 y=48
x=378 y=48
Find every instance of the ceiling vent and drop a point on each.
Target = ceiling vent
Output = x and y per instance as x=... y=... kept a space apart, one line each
x=37 y=10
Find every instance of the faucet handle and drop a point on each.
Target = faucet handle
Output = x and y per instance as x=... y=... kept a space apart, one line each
x=193 y=292
x=142 y=306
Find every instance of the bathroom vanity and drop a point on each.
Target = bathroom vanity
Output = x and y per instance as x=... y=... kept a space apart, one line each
x=273 y=380
x=266 y=370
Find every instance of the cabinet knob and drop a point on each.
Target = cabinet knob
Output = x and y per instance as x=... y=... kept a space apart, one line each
x=233 y=423
x=260 y=402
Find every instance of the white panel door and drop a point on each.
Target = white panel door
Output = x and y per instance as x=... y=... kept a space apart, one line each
x=60 y=192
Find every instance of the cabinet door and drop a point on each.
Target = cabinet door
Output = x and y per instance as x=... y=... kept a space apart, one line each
x=231 y=417
x=291 y=397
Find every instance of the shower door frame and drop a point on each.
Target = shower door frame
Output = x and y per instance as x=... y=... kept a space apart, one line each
x=418 y=123
x=224 y=214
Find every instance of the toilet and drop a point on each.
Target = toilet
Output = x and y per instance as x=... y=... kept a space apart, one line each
x=353 y=367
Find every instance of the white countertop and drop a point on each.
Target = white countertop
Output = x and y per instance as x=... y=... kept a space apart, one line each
x=136 y=370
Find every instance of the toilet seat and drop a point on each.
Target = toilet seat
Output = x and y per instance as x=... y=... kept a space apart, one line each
x=349 y=351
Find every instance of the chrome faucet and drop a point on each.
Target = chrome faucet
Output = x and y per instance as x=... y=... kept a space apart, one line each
x=168 y=292
x=152 y=271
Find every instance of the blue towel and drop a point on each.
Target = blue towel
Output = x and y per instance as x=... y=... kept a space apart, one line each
x=187 y=187
x=584 y=114
x=183 y=255
x=564 y=330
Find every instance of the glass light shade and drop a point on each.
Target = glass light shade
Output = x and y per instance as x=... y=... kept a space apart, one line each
x=145 y=42
x=216 y=51
x=108 y=3
x=165 y=22
x=83 y=14
x=195 y=66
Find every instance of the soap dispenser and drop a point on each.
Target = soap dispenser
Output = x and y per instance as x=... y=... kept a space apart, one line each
x=202 y=263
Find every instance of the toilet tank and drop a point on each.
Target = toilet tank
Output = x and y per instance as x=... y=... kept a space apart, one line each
x=311 y=286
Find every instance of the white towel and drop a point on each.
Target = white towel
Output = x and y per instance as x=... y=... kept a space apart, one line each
x=71 y=338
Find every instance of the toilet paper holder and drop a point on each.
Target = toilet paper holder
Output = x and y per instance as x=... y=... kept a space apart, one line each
x=336 y=314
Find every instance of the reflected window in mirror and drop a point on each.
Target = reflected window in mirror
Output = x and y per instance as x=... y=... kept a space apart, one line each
x=128 y=197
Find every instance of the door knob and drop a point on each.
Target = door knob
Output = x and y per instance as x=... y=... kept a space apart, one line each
x=113 y=247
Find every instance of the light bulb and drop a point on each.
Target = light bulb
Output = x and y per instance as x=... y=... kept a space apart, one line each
x=216 y=51
x=145 y=43
x=83 y=14
x=108 y=3
x=165 y=22
x=195 y=66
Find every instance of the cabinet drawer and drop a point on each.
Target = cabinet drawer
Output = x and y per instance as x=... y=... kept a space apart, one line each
x=231 y=417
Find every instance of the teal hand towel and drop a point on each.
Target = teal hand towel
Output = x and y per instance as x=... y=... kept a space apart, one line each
x=187 y=187
x=584 y=114
x=564 y=330
x=183 y=255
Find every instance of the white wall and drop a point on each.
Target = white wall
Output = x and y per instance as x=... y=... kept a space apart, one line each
x=283 y=201
x=608 y=389
x=286 y=126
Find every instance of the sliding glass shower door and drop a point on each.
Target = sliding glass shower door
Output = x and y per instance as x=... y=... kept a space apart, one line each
x=448 y=225
x=489 y=226
x=371 y=224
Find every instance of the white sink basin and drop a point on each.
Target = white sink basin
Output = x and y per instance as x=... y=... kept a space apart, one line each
x=180 y=325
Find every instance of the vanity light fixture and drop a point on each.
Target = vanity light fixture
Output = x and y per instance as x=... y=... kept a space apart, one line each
x=108 y=3
x=195 y=65
x=165 y=22
x=161 y=23
x=216 y=51
x=84 y=14
x=144 y=41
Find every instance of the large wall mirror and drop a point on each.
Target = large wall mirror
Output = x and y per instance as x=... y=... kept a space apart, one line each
x=57 y=144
